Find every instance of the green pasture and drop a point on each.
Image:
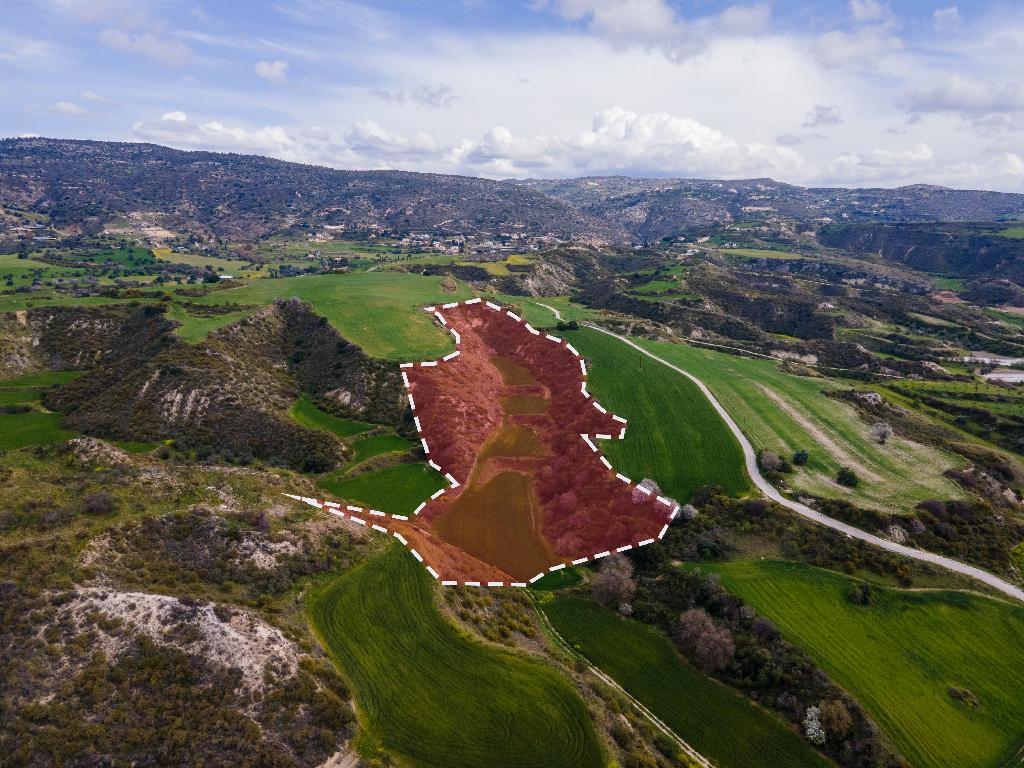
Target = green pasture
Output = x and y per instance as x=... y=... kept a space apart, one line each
x=379 y=311
x=783 y=413
x=902 y=656
x=717 y=721
x=397 y=490
x=435 y=697
x=21 y=430
x=308 y=415
x=673 y=436
x=378 y=445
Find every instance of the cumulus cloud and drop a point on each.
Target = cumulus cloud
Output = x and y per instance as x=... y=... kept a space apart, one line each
x=275 y=72
x=1009 y=164
x=870 y=39
x=655 y=24
x=67 y=109
x=434 y=97
x=166 y=50
x=367 y=139
x=822 y=115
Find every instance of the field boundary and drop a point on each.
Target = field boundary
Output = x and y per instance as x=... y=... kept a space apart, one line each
x=335 y=508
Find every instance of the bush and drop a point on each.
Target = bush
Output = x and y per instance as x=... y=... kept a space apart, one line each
x=100 y=503
x=847 y=477
x=800 y=457
x=613 y=585
x=708 y=644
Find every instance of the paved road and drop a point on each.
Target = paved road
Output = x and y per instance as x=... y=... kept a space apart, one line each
x=812 y=514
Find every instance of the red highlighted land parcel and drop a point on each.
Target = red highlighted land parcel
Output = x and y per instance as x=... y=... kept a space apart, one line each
x=509 y=420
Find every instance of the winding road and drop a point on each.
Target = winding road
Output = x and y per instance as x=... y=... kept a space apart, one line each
x=750 y=458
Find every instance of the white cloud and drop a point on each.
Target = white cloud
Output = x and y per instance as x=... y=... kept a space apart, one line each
x=1009 y=164
x=883 y=164
x=28 y=53
x=166 y=50
x=946 y=18
x=864 y=11
x=67 y=109
x=655 y=24
x=175 y=117
x=94 y=97
x=272 y=71
x=863 y=48
x=822 y=115
x=435 y=97
x=966 y=96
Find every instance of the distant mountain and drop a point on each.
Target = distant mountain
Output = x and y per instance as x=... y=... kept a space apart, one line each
x=246 y=196
x=654 y=208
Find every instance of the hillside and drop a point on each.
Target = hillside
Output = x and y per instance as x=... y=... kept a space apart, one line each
x=247 y=196
x=654 y=208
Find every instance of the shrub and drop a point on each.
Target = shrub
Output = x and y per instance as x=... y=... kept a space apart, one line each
x=835 y=718
x=800 y=457
x=100 y=503
x=613 y=585
x=847 y=477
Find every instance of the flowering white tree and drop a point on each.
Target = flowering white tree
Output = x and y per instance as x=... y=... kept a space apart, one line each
x=812 y=726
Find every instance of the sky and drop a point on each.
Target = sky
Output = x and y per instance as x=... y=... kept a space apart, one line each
x=851 y=93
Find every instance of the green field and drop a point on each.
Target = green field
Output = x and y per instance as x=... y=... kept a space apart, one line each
x=379 y=311
x=309 y=415
x=1014 y=232
x=225 y=266
x=901 y=656
x=195 y=328
x=759 y=253
x=40 y=379
x=673 y=436
x=715 y=720
x=21 y=430
x=377 y=445
x=432 y=695
x=783 y=413
x=25 y=269
x=397 y=490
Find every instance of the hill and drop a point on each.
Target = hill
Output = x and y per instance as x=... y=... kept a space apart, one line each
x=246 y=196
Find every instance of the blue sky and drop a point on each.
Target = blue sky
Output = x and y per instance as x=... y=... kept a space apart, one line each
x=860 y=92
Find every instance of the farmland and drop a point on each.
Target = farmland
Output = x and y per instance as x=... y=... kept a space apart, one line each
x=378 y=311
x=398 y=489
x=378 y=445
x=435 y=697
x=783 y=413
x=673 y=436
x=307 y=414
x=715 y=720
x=904 y=657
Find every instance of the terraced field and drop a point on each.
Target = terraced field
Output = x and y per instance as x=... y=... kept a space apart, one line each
x=718 y=722
x=435 y=697
x=783 y=413
x=379 y=311
x=674 y=436
x=37 y=426
x=905 y=658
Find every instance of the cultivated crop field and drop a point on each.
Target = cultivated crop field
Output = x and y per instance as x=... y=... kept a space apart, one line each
x=398 y=489
x=674 y=436
x=903 y=656
x=783 y=413
x=715 y=720
x=379 y=311
x=307 y=414
x=434 y=696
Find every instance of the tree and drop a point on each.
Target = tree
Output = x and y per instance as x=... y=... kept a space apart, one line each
x=812 y=726
x=613 y=585
x=800 y=457
x=847 y=477
x=769 y=461
x=708 y=644
x=835 y=717
x=881 y=432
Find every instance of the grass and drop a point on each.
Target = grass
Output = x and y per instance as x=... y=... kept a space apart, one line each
x=759 y=253
x=40 y=379
x=901 y=656
x=784 y=413
x=232 y=267
x=309 y=415
x=556 y=580
x=377 y=445
x=435 y=697
x=718 y=722
x=379 y=311
x=21 y=430
x=10 y=396
x=673 y=436
x=195 y=328
x=398 y=489
x=955 y=284
x=1016 y=233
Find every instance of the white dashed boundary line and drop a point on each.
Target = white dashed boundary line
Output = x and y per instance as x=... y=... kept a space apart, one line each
x=334 y=508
